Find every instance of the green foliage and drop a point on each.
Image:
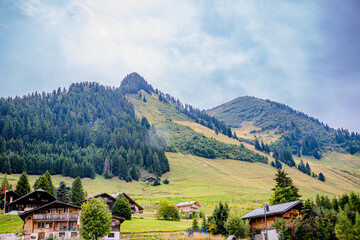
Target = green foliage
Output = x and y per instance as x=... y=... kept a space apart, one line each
x=77 y=192
x=95 y=219
x=71 y=132
x=62 y=192
x=44 y=182
x=157 y=182
x=121 y=208
x=343 y=227
x=203 y=222
x=166 y=181
x=220 y=216
x=238 y=227
x=5 y=182
x=23 y=185
x=321 y=177
x=195 y=224
x=285 y=190
x=167 y=212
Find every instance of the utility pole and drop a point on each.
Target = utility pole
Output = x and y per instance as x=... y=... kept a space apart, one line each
x=266 y=231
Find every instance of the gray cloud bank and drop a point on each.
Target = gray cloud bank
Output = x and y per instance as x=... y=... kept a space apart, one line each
x=304 y=54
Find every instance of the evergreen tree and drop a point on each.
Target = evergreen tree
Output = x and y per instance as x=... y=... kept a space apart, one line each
x=23 y=185
x=95 y=219
x=4 y=183
x=44 y=182
x=121 y=208
x=203 y=223
x=220 y=216
x=62 y=192
x=123 y=170
x=6 y=166
x=343 y=228
x=257 y=144
x=135 y=173
x=195 y=224
x=156 y=182
x=285 y=190
x=77 y=192
x=321 y=177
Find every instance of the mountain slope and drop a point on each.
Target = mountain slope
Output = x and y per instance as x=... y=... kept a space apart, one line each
x=284 y=126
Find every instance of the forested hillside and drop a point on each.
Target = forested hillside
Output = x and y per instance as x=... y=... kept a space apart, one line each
x=299 y=133
x=84 y=130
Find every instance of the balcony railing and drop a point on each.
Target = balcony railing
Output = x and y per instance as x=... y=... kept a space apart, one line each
x=56 y=217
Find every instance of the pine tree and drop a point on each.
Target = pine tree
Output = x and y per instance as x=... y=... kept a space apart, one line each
x=285 y=190
x=77 y=192
x=257 y=144
x=121 y=208
x=62 y=192
x=4 y=183
x=195 y=224
x=220 y=216
x=44 y=182
x=321 y=177
x=123 y=170
x=23 y=185
x=7 y=166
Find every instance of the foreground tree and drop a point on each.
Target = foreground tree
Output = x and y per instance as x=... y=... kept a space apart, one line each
x=237 y=227
x=62 y=192
x=77 y=192
x=220 y=216
x=23 y=185
x=121 y=208
x=285 y=190
x=95 y=219
x=167 y=212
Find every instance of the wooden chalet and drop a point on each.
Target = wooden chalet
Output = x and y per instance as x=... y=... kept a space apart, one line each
x=10 y=197
x=59 y=220
x=149 y=180
x=29 y=201
x=191 y=206
x=110 y=200
x=289 y=210
x=53 y=220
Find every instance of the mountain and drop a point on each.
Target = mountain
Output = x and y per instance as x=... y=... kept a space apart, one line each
x=283 y=127
x=86 y=130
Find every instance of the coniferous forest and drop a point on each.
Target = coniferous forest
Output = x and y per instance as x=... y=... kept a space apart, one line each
x=85 y=130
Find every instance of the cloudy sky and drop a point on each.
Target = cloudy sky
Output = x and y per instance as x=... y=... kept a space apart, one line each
x=305 y=54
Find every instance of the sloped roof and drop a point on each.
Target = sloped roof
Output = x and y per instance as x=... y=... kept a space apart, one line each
x=31 y=193
x=56 y=202
x=273 y=210
x=115 y=195
x=185 y=203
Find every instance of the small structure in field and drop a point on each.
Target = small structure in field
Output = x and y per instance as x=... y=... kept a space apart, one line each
x=149 y=180
x=191 y=206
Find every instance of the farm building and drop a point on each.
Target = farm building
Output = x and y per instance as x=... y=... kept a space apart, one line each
x=10 y=197
x=191 y=206
x=289 y=210
x=149 y=180
x=29 y=201
x=110 y=200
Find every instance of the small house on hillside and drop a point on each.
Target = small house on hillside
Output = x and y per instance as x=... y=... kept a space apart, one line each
x=149 y=180
x=191 y=206
x=289 y=210
x=29 y=201
x=110 y=199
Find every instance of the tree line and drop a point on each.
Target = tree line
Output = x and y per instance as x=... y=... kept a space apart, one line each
x=86 y=130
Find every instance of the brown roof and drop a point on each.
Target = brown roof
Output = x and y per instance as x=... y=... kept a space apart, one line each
x=33 y=192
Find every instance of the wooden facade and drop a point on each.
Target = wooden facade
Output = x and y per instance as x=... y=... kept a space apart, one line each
x=10 y=197
x=56 y=219
x=288 y=212
x=30 y=201
x=191 y=206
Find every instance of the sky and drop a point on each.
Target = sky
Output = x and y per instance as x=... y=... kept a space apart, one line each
x=305 y=54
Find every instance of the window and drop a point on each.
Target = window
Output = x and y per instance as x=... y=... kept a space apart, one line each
x=111 y=235
x=61 y=211
x=49 y=225
x=73 y=234
x=40 y=225
x=29 y=218
x=61 y=234
x=53 y=211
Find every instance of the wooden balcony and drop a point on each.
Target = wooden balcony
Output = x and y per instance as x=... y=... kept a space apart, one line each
x=56 y=217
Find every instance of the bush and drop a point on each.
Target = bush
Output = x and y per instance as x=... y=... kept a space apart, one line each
x=238 y=227
x=156 y=182
x=167 y=212
x=166 y=181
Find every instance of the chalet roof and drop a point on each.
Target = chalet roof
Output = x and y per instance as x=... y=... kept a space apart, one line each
x=56 y=202
x=8 y=192
x=127 y=196
x=185 y=203
x=273 y=210
x=32 y=193
x=118 y=218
